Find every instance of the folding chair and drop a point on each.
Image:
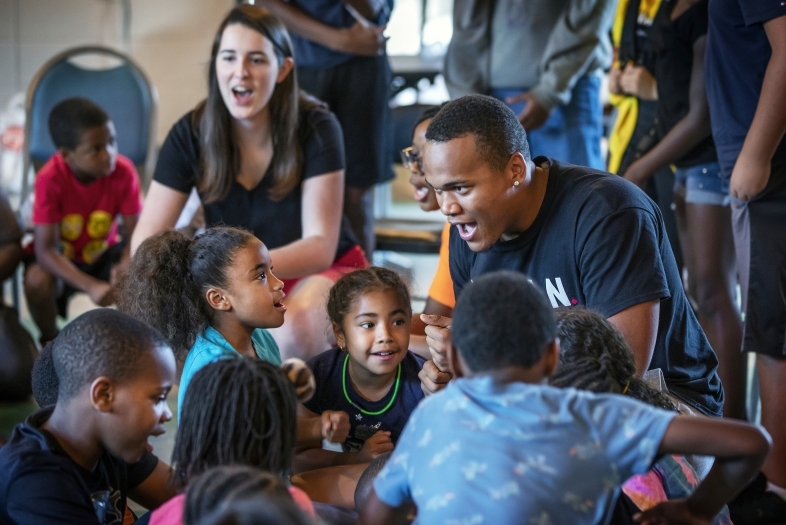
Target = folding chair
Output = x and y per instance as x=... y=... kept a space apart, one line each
x=124 y=91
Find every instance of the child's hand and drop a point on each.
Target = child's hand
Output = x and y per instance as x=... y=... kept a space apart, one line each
x=674 y=512
x=100 y=292
x=377 y=444
x=335 y=426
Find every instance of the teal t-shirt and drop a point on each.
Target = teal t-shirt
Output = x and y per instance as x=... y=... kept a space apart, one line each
x=211 y=346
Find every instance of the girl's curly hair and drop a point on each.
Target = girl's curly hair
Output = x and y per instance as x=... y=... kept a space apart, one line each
x=166 y=280
x=595 y=356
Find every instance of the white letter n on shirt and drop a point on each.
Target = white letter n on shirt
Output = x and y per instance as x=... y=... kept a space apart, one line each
x=557 y=294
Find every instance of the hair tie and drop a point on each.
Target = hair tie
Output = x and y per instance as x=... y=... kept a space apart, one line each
x=625 y=390
x=302 y=378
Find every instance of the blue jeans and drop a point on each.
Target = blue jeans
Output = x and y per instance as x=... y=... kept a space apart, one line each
x=703 y=184
x=572 y=133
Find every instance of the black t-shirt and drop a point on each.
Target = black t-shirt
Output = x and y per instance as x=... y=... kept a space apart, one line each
x=738 y=53
x=40 y=483
x=328 y=368
x=600 y=242
x=276 y=223
x=674 y=60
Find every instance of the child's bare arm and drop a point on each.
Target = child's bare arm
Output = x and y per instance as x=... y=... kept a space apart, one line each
x=314 y=458
x=739 y=450
x=49 y=257
x=377 y=511
x=687 y=133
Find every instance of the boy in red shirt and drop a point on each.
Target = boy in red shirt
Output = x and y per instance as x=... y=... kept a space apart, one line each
x=78 y=194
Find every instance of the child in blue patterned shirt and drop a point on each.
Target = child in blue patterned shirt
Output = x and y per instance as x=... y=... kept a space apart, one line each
x=498 y=445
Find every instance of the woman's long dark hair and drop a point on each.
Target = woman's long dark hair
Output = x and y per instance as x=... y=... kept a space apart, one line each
x=595 y=356
x=236 y=411
x=220 y=154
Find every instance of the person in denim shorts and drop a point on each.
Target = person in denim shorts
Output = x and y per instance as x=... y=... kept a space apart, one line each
x=701 y=195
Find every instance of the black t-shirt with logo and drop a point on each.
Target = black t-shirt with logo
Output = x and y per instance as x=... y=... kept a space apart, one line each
x=598 y=241
x=328 y=368
x=40 y=483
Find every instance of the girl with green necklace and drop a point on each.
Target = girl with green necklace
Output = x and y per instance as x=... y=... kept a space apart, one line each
x=371 y=375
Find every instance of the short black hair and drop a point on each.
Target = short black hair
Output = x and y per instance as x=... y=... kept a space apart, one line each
x=224 y=486
x=101 y=342
x=497 y=131
x=44 y=377
x=72 y=117
x=502 y=319
x=427 y=114
x=366 y=481
x=262 y=510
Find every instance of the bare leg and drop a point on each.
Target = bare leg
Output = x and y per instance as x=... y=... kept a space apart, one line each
x=306 y=331
x=713 y=279
x=772 y=382
x=359 y=209
x=41 y=292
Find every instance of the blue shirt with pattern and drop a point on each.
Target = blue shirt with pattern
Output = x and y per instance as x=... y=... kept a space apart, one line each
x=484 y=452
x=211 y=346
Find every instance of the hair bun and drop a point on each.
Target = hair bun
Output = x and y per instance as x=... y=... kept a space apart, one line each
x=302 y=378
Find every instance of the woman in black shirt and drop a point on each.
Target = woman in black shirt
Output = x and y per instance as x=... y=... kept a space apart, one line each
x=267 y=157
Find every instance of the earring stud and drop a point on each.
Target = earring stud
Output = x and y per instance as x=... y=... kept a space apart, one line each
x=515 y=183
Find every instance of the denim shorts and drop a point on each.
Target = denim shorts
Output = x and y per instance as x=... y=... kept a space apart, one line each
x=703 y=184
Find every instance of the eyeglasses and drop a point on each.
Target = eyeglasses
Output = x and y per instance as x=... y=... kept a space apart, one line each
x=411 y=160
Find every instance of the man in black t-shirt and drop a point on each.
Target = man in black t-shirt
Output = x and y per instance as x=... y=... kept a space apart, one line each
x=587 y=237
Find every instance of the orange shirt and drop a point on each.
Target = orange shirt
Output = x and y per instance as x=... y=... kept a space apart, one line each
x=441 y=289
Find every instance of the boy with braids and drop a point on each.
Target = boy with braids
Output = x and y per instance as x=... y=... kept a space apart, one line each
x=76 y=462
x=509 y=449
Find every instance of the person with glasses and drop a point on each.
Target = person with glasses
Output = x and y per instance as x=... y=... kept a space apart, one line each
x=441 y=300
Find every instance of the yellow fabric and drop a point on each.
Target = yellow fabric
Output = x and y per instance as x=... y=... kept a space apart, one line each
x=627 y=106
x=441 y=289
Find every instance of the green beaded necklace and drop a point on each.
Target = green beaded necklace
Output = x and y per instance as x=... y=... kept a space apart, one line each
x=366 y=412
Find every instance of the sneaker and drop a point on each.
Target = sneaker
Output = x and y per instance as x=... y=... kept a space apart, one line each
x=762 y=508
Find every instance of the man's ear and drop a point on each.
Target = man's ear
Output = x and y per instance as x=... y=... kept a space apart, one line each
x=217 y=299
x=102 y=394
x=551 y=358
x=517 y=169
x=338 y=333
x=455 y=365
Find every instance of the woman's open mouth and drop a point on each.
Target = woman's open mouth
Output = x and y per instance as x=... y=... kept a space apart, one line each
x=421 y=193
x=242 y=95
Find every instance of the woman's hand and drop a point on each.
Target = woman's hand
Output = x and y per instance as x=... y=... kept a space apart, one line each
x=638 y=81
x=638 y=174
x=614 y=81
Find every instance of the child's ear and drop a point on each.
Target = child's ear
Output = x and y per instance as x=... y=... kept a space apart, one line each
x=551 y=358
x=217 y=299
x=338 y=333
x=102 y=394
x=455 y=366
x=65 y=153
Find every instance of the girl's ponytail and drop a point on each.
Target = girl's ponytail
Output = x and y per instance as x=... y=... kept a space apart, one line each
x=157 y=288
